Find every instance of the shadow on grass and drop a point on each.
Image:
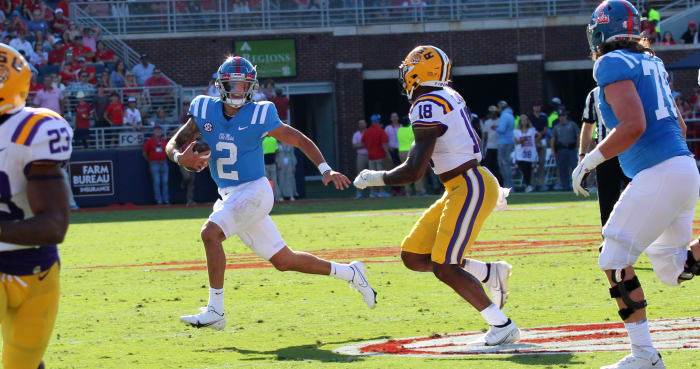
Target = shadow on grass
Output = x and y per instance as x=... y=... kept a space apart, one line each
x=344 y=205
x=538 y=360
x=310 y=352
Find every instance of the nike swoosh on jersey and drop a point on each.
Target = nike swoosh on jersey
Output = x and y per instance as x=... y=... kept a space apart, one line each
x=242 y=128
x=41 y=277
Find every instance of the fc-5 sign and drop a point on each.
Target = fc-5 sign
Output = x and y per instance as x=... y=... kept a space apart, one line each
x=92 y=178
x=273 y=58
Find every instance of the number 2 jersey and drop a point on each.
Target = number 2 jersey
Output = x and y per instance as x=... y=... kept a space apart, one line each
x=662 y=138
x=236 y=143
x=446 y=108
x=28 y=136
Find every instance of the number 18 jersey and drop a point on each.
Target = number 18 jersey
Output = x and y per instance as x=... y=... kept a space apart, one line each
x=446 y=108
x=236 y=143
x=662 y=138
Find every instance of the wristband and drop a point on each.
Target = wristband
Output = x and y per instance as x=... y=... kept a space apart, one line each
x=176 y=157
x=324 y=167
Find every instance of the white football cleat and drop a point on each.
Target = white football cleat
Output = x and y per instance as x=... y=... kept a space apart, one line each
x=207 y=318
x=359 y=282
x=633 y=362
x=498 y=282
x=501 y=336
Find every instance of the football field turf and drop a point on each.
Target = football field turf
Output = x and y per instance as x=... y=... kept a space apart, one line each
x=128 y=275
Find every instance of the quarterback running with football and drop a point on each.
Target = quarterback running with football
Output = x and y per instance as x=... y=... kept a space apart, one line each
x=34 y=144
x=655 y=212
x=442 y=236
x=233 y=126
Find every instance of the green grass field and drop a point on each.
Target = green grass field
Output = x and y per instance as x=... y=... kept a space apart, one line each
x=119 y=310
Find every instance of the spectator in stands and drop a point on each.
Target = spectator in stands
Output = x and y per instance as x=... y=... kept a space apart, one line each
x=490 y=141
x=83 y=112
x=377 y=143
x=81 y=51
x=361 y=160
x=60 y=23
x=268 y=89
x=90 y=36
x=37 y=22
x=105 y=81
x=57 y=55
x=526 y=138
x=100 y=104
x=182 y=119
x=143 y=70
x=161 y=119
x=131 y=88
x=667 y=39
x=154 y=153
x=240 y=6
x=16 y=24
x=103 y=54
x=39 y=57
x=34 y=84
x=118 y=77
x=287 y=164
x=28 y=7
x=564 y=146
x=158 y=88
x=65 y=75
x=282 y=104
x=539 y=121
x=21 y=44
x=132 y=115
x=114 y=114
x=72 y=33
x=82 y=84
x=48 y=13
x=391 y=131
x=91 y=71
x=506 y=143
x=8 y=7
x=44 y=41
x=405 y=137
x=270 y=148
x=690 y=36
x=50 y=97
x=211 y=88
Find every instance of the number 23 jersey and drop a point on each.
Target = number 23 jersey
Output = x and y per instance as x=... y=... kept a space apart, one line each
x=30 y=135
x=446 y=108
x=236 y=143
x=662 y=138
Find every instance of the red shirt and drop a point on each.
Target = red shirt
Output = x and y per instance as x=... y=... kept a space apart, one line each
x=82 y=116
x=373 y=138
x=56 y=56
x=66 y=77
x=81 y=51
x=90 y=69
x=63 y=21
x=115 y=112
x=105 y=56
x=35 y=86
x=282 y=104
x=155 y=148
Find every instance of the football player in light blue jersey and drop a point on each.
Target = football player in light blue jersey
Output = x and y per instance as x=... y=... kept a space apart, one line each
x=233 y=127
x=655 y=212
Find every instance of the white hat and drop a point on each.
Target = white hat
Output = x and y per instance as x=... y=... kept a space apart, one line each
x=132 y=99
x=59 y=10
x=80 y=94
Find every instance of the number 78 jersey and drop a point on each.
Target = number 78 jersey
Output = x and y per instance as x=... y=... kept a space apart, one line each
x=28 y=136
x=662 y=138
x=446 y=108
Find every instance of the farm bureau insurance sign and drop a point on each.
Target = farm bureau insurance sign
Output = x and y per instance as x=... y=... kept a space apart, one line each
x=273 y=58
x=92 y=178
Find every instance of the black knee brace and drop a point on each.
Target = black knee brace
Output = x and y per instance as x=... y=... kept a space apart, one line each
x=622 y=290
x=691 y=268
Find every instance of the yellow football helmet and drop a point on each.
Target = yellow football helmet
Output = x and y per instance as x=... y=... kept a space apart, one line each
x=14 y=80
x=424 y=66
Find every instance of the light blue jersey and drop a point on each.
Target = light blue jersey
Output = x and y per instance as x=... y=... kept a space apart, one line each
x=662 y=138
x=236 y=143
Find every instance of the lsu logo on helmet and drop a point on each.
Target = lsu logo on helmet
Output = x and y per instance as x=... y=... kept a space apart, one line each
x=424 y=66
x=14 y=80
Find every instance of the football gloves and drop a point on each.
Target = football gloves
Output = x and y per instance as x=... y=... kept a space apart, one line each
x=590 y=161
x=368 y=178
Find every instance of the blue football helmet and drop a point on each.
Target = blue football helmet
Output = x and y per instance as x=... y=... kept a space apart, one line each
x=236 y=81
x=613 y=20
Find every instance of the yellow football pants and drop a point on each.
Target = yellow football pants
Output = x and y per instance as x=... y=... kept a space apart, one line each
x=28 y=307
x=450 y=226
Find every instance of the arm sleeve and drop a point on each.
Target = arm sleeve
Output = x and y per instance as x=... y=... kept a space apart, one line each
x=427 y=114
x=614 y=67
x=49 y=140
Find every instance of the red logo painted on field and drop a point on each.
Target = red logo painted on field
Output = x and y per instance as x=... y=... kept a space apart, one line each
x=668 y=334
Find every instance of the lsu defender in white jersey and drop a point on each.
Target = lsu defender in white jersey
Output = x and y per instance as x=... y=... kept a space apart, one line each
x=28 y=136
x=445 y=107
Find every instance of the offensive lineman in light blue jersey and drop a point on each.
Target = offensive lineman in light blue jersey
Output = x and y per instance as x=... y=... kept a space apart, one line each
x=233 y=126
x=655 y=213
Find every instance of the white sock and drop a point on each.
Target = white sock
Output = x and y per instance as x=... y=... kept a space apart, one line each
x=342 y=271
x=640 y=337
x=216 y=299
x=477 y=268
x=494 y=315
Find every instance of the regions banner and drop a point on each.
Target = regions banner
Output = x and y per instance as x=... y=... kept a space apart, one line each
x=92 y=178
x=273 y=58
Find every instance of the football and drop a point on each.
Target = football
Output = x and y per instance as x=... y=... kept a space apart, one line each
x=201 y=146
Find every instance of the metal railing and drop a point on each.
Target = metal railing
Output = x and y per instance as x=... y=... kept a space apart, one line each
x=104 y=138
x=170 y=16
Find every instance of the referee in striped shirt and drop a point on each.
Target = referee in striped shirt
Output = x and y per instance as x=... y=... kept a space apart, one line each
x=611 y=181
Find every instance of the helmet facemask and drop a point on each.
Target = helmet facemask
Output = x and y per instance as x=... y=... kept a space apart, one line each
x=236 y=91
